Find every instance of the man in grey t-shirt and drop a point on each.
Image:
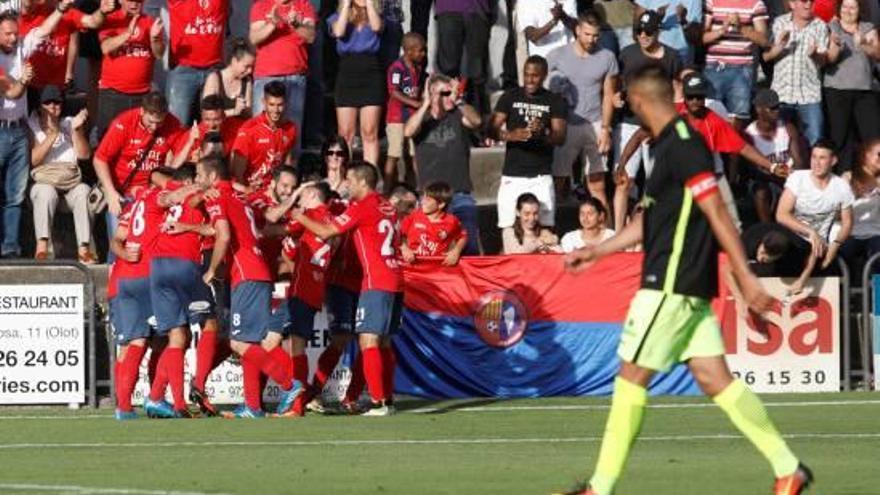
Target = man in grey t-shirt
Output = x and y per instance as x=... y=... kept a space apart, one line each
x=586 y=76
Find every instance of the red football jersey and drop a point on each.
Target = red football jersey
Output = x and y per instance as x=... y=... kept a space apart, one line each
x=373 y=222
x=345 y=268
x=126 y=141
x=197 y=30
x=260 y=201
x=228 y=132
x=431 y=238
x=129 y=69
x=50 y=58
x=143 y=217
x=263 y=147
x=309 y=282
x=285 y=52
x=187 y=245
x=245 y=259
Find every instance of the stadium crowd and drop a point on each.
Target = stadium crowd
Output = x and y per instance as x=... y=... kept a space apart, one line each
x=213 y=180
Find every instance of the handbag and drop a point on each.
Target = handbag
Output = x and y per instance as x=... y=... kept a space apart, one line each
x=63 y=176
x=97 y=198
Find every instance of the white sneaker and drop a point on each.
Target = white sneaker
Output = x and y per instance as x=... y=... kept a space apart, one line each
x=381 y=411
x=316 y=406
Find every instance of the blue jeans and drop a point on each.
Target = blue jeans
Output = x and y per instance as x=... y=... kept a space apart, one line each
x=809 y=118
x=296 y=99
x=732 y=84
x=112 y=223
x=15 y=159
x=464 y=207
x=185 y=91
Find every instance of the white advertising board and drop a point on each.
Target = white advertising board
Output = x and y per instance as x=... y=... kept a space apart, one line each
x=42 y=344
x=795 y=348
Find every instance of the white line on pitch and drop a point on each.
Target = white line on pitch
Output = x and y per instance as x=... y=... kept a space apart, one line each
x=589 y=407
x=90 y=490
x=428 y=441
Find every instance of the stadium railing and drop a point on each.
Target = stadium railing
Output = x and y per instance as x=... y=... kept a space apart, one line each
x=845 y=313
x=866 y=336
x=89 y=302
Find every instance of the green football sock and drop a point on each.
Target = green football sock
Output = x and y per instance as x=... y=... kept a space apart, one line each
x=748 y=414
x=624 y=423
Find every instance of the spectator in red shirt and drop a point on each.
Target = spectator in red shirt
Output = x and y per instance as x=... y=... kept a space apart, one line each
x=197 y=29
x=214 y=122
x=138 y=141
x=130 y=41
x=720 y=137
x=265 y=141
x=281 y=31
x=234 y=83
x=54 y=59
x=431 y=230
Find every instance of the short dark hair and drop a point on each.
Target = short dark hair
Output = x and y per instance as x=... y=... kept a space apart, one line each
x=412 y=37
x=217 y=164
x=775 y=243
x=596 y=204
x=283 y=169
x=239 y=47
x=591 y=18
x=324 y=191
x=275 y=89
x=9 y=15
x=441 y=192
x=826 y=144
x=365 y=171
x=154 y=102
x=187 y=171
x=653 y=79
x=539 y=61
x=212 y=103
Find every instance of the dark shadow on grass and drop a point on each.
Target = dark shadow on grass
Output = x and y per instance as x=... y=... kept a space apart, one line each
x=445 y=406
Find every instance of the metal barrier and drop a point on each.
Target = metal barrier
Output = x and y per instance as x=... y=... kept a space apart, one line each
x=845 y=327
x=89 y=287
x=867 y=335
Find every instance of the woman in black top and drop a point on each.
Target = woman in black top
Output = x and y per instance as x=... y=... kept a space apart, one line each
x=234 y=82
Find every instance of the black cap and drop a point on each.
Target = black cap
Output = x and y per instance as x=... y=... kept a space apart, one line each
x=649 y=22
x=766 y=98
x=51 y=93
x=695 y=85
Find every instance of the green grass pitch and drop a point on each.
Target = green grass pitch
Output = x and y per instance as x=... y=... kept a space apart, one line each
x=450 y=447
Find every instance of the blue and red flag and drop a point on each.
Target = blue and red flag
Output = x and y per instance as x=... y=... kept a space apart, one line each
x=518 y=326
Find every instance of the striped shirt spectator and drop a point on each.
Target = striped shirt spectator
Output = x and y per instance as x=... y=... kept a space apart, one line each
x=733 y=48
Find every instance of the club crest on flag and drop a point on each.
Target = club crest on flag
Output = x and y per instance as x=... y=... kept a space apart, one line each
x=500 y=318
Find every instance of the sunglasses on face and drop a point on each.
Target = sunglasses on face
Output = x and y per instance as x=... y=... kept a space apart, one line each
x=445 y=93
x=695 y=97
x=337 y=153
x=646 y=32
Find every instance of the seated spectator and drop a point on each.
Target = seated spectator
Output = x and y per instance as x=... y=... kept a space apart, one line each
x=810 y=203
x=779 y=142
x=591 y=215
x=852 y=105
x=865 y=181
x=527 y=235
x=234 y=83
x=547 y=24
x=799 y=50
x=335 y=157
x=360 y=88
x=406 y=78
x=531 y=121
x=441 y=132
x=58 y=144
x=431 y=230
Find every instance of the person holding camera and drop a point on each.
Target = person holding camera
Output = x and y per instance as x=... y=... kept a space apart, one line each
x=58 y=145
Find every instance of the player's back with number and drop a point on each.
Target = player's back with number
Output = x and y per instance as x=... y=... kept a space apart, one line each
x=246 y=260
x=186 y=245
x=373 y=222
x=143 y=219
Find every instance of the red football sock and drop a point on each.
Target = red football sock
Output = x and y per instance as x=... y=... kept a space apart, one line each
x=127 y=375
x=269 y=366
x=373 y=373
x=205 y=352
x=174 y=368
x=389 y=364
x=301 y=373
x=160 y=375
x=280 y=356
x=356 y=385
x=253 y=386
x=326 y=364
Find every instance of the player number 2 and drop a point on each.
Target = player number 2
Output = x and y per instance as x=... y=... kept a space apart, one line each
x=387 y=229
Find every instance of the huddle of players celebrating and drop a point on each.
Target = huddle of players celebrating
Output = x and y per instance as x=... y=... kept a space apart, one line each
x=192 y=229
